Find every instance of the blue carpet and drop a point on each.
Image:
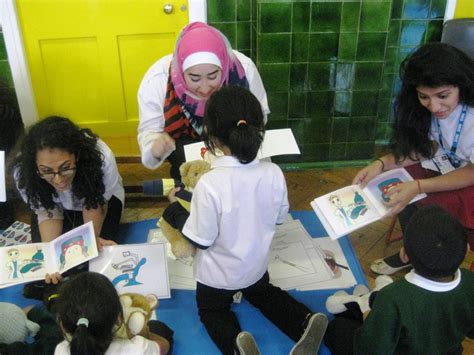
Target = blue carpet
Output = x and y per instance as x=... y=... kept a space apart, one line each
x=180 y=312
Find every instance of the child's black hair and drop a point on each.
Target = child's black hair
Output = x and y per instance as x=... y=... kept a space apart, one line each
x=91 y=296
x=234 y=116
x=435 y=242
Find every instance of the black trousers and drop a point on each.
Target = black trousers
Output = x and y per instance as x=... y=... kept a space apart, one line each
x=73 y=219
x=177 y=157
x=221 y=323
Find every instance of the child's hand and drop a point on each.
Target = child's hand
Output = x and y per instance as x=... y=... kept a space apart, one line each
x=101 y=243
x=368 y=173
x=53 y=278
x=172 y=195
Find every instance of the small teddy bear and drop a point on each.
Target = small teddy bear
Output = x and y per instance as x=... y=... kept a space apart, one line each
x=175 y=215
x=137 y=311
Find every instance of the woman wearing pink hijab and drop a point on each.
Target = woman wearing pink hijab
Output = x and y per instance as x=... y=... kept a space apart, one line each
x=174 y=91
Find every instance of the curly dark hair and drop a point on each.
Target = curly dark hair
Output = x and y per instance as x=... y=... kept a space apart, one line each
x=432 y=65
x=60 y=133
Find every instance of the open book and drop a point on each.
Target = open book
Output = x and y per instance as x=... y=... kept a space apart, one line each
x=275 y=142
x=30 y=262
x=350 y=208
x=136 y=268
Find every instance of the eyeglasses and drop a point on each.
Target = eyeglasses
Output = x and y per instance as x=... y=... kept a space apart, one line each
x=63 y=173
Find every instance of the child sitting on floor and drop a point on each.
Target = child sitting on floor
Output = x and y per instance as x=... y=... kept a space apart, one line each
x=430 y=311
x=90 y=312
x=234 y=212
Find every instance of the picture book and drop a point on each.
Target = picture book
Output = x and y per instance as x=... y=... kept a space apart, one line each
x=30 y=262
x=17 y=233
x=136 y=268
x=275 y=142
x=350 y=208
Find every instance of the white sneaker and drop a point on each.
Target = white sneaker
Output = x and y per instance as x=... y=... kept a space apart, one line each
x=381 y=281
x=360 y=290
x=313 y=335
x=335 y=303
x=246 y=344
x=379 y=266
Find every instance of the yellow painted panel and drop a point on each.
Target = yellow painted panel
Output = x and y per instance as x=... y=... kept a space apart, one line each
x=67 y=61
x=464 y=9
x=137 y=53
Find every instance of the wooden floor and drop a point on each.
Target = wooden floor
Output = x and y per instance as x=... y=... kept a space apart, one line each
x=303 y=186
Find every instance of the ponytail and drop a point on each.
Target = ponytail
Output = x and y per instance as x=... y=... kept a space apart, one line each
x=234 y=117
x=83 y=342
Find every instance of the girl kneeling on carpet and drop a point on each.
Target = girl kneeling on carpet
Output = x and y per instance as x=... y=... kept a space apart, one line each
x=433 y=138
x=234 y=211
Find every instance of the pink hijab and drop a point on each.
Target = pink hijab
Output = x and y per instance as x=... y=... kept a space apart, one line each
x=199 y=37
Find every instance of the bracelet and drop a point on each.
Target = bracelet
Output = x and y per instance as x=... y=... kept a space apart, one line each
x=419 y=186
x=383 y=164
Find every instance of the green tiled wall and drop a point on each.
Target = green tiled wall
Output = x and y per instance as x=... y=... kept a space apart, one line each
x=7 y=91
x=329 y=66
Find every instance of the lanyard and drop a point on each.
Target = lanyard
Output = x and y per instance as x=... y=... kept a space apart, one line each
x=452 y=152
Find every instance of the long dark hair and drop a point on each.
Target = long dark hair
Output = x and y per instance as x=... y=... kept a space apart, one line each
x=234 y=116
x=432 y=65
x=91 y=296
x=60 y=133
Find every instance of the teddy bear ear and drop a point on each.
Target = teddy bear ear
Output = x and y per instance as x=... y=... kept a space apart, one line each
x=152 y=300
x=183 y=169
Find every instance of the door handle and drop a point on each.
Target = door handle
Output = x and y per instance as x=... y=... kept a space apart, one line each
x=168 y=8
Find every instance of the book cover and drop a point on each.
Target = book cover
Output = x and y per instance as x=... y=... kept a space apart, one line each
x=136 y=268
x=30 y=262
x=350 y=208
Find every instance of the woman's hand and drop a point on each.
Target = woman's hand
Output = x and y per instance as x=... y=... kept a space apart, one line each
x=162 y=145
x=101 y=243
x=368 y=173
x=53 y=278
x=400 y=196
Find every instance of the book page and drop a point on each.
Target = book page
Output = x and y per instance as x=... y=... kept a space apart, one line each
x=18 y=233
x=275 y=142
x=25 y=263
x=74 y=247
x=345 y=210
x=381 y=184
x=136 y=268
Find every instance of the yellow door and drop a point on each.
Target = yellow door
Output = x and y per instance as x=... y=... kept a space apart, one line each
x=87 y=58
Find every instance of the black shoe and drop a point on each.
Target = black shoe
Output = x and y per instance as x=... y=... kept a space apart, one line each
x=389 y=265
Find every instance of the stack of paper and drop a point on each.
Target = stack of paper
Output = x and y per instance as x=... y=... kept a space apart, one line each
x=297 y=261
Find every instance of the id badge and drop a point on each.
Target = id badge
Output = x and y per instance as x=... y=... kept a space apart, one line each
x=443 y=164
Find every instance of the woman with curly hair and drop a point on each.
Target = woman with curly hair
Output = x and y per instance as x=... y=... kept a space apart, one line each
x=68 y=176
x=433 y=138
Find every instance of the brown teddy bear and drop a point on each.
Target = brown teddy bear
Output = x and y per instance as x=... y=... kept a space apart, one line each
x=137 y=311
x=175 y=215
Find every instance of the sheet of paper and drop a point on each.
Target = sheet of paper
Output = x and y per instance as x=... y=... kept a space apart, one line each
x=343 y=276
x=137 y=268
x=3 y=193
x=275 y=142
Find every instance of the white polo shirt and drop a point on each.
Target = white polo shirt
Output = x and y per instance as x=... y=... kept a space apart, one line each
x=234 y=211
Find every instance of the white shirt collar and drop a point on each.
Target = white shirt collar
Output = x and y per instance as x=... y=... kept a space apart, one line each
x=430 y=285
x=228 y=161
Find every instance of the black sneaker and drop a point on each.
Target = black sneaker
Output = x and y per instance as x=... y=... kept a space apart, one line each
x=313 y=335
